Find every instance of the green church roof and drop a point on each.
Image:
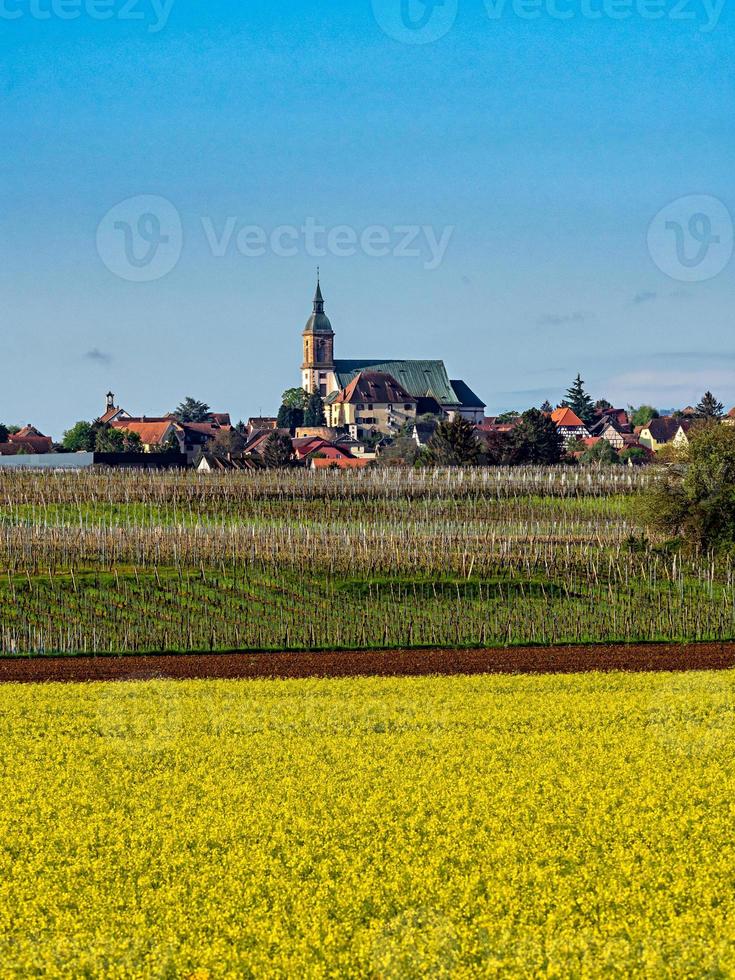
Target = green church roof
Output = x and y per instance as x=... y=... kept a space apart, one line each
x=419 y=378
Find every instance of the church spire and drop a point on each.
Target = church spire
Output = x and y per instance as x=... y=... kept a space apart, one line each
x=318 y=298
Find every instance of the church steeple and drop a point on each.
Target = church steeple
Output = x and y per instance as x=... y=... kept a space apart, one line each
x=318 y=298
x=317 y=368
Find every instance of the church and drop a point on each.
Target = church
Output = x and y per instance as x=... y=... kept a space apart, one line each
x=393 y=391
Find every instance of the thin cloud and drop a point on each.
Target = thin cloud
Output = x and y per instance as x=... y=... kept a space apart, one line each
x=97 y=356
x=646 y=296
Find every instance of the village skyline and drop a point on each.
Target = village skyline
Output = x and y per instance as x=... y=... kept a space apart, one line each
x=148 y=400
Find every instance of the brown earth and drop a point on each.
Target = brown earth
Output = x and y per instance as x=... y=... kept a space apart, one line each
x=381 y=663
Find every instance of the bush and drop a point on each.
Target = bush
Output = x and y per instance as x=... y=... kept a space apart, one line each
x=601 y=452
x=696 y=502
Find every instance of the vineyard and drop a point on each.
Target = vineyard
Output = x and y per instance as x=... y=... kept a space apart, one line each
x=147 y=562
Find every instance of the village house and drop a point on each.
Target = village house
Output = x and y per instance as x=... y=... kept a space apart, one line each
x=614 y=436
x=328 y=451
x=373 y=402
x=616 y=418
x=28 y=441
x=570 y=426
x=195 y=437
x=663 y=432
x=260 y=423
x=355 y=447
x=154 y=434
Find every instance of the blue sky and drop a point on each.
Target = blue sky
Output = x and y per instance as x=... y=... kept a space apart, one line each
x=541 y=148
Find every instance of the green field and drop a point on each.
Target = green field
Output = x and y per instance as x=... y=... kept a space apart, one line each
x=449 y=827
x=120 y=562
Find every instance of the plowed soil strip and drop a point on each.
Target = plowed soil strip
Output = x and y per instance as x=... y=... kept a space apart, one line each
x=380 y=663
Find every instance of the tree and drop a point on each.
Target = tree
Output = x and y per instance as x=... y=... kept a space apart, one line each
x=634 y=454
x=171 y=445
x=295 y=398
x=191 y=410
x=314 y=411
x=602 y=405
x=507 y=417
x=495 y=447
x=80 y=438
x=576 y=445
x=696 y=502
x=402 y=451
x=535 y=439
x=547 y=408
x=290 y=417
x=3 y=432
x=278 y=450
x=602 y=452
x=580 y=402
x=227 y=442
x=709 y=407
x=109 y=440
x=642 y=415
x=453 y=443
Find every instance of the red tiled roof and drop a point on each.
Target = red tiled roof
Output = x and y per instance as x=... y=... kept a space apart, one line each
x=204 y=428
x=341 y=463
x=151 y=433
x=30 y=439
x=330 y=451
x=566 y=419
x=374 y=387
x=26 y=431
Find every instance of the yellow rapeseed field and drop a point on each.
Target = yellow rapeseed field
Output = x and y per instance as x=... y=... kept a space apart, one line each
x=577 y=826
